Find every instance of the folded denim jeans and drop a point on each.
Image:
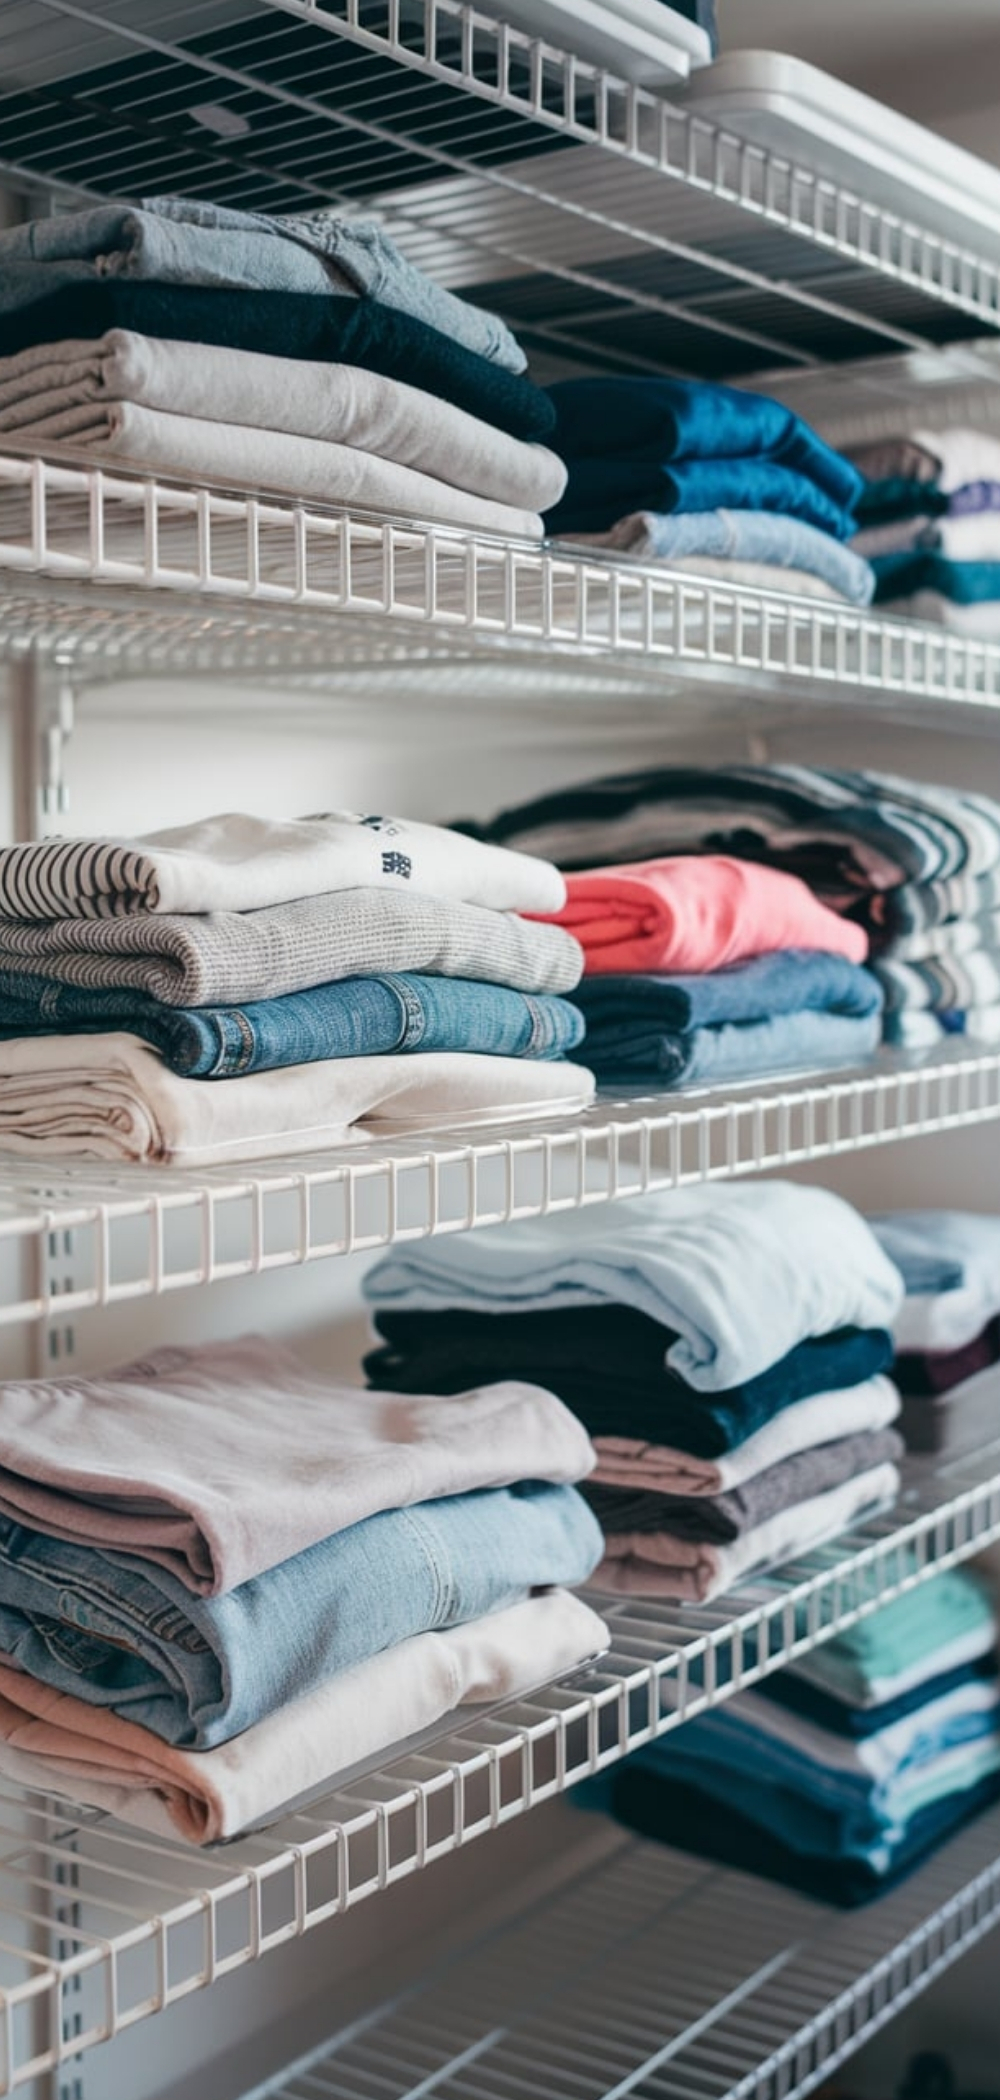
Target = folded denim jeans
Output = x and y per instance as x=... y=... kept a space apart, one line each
x=684 y=419
x=125 y=1634
x=775 y=1013
x=602 y=490
x=768 y=538
x=360 y=1017
x=51 y=1739
x=220 y=958
x=288 y=325
x=71 y=392
x=219 y=1462
x=733 y=1051
x=177 y=240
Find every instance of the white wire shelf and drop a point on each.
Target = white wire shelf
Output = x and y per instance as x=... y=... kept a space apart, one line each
x=86 y=555
x=620 y=226
x=147 y=1922
x=653 y=1974
x=138 y=1232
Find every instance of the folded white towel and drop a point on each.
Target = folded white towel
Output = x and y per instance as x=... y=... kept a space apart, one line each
x=67 y=391
x=110 y=1097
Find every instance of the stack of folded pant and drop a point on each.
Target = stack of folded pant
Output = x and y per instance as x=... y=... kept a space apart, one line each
x=724 y=1347
x=947 y=1331
x=845 y=1770
x=328 y=366
x=300 y=965
x=917 y=866
x=224 y=1579
x=707 y=478
x=702 y=970
x=930 y=525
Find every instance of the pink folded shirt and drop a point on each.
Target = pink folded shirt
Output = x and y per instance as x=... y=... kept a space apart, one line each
x=697 y=913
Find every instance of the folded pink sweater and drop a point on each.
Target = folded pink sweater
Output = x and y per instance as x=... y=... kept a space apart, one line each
x=697 y=913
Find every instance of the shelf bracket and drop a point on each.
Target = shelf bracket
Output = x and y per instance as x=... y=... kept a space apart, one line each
x=43 y=707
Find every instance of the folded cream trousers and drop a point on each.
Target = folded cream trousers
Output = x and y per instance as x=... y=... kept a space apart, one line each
x=72 y=390
x=110 y=1097
x=219 y=1462
x=655 y=1564
x=824 y=1418
x=50 y=1740
x=238 y=862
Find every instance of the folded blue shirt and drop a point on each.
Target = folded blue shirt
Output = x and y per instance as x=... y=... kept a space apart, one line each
x=121 y=1632
x=355 y=1017
x=691 y=419
x=601 y=490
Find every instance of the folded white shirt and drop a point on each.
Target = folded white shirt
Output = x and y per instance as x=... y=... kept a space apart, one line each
x=238 y=862
x=741 y=1271
x=52 y=1741
x=72 y=390
x=111 y=1097
x=821 y=1419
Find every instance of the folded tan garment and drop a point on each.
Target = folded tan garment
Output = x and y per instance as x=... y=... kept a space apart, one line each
x=51 y=1741
x=659 y=1565
x=111 y=1097
x=310 y=470
x=218 y=1462
x=823 y=1418
x=71 y=391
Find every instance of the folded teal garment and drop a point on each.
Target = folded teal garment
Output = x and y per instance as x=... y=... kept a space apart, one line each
x=883 y=502
x=601 y=490
x=903 y=1637
x=688 y=419
x=963 y=582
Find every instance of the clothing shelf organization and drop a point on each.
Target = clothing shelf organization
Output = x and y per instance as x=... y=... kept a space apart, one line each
x=622 y=226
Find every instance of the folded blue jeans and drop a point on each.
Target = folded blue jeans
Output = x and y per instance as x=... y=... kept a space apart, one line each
x=773 y=1013
x=121 y=1632
x=355 y=1017
x=603 y=489
x=177 y=240
x=732 y=1051
x=689 y=419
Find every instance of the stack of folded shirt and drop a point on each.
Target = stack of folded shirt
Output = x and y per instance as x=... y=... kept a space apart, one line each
x=947 y=1331
x=298 y=964
x=930 y=525
x=846 y=1769
x=701 y=971
x=707 y=478
x=917 y=866
x=223 y=1579
x=724 y=1347
x=328 y=367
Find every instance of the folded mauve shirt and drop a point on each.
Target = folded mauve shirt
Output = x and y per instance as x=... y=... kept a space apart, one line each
x=296 y=325
x=111 y=1097
x=696 y=914
x=217 y=1462
x=607 y=1363
x=212 y=958
x=641 y=1512
x=822 y=1418
x=51 y=1739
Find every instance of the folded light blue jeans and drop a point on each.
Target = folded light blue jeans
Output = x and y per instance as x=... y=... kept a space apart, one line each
x=122 y=1633
x=734 y=1050
x=177 y=240
x=355 y=1017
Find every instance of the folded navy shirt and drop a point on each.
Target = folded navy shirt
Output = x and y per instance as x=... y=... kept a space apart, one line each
x=686 y=419
x=289 y=324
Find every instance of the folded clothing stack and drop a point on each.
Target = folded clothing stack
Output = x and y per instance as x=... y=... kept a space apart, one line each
x=724 y=1347
x=847 y=1768
x=947 y=1330
x=328 y=367
x=930 y=525
x=224 y=1579
x=708 y=478
x=917 y=866
x=704 y=970
x=308 y=959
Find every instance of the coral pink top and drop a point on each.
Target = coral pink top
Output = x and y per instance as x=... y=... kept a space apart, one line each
x=696 y=913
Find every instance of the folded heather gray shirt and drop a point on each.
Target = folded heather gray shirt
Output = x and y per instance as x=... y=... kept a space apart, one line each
x=178 y=240
x=719 y=1519
x=225 y=957
x=70 y=390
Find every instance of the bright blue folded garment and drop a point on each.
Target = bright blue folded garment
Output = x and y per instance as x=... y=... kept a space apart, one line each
x=688 y=419
x=355 y=1017
x=123 y=1633
x=601 y=490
